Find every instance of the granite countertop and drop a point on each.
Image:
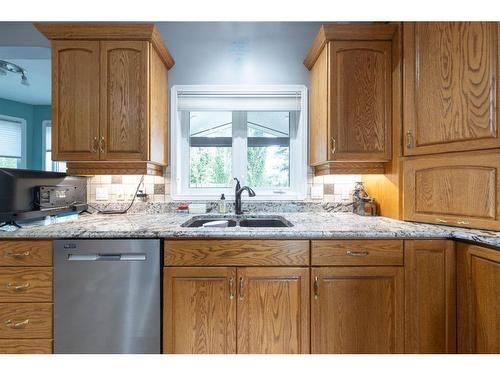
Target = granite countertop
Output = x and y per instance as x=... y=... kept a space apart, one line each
x=307 y=225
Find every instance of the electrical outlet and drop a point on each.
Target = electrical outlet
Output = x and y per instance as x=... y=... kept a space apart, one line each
x=101 y=194
x=119 y=193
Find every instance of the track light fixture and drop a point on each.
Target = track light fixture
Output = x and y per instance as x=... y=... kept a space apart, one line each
x=6 y=66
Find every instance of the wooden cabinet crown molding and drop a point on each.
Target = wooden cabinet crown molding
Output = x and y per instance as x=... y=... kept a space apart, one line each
x=383 y=31
x=108 y=31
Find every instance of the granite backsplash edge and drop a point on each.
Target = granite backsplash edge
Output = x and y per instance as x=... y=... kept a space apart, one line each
x=213 y=206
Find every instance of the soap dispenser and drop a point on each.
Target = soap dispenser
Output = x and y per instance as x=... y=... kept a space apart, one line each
x=222 y=205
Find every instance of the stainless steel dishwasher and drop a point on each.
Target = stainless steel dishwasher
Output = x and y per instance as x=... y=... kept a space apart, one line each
x=107 y=296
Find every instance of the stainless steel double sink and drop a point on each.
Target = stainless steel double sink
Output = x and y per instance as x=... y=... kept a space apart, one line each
x=244 y=221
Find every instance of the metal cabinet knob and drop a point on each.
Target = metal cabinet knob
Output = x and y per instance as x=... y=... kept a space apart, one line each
x=316 y=287
x=16 y=325
x=409 y=139
x=231 y=287
x=17 y=287
x=357 y=253
x=242 y=286
x=333 y=145
x=24 y=254
x=102 y=143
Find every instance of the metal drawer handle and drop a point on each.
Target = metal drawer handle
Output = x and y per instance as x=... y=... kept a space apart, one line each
x=231 y=287
x=316 y=287
x=333 y=145
x=95 y=144
x=242 y=285
x=441 y=221
x=101 y=144
x=12 y=324
x=17 y=287
x=409 y=139
x=357 y=253
x=18 y=255
x=463 y=222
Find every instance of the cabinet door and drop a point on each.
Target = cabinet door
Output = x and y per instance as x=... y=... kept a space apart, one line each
x=199 y=310
x=430 y=297
x=478 y=299
x=75 y=100
x=124 y=100
x=357 y=310
x=273 y=310
x=360 y=92
x=449 y=87
x=454 y=189
x=318 y=110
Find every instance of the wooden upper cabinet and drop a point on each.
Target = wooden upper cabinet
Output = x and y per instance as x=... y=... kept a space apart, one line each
x=450 y=89
x=430 y=297
x=478 y=271
x=360 y=92
x=110 y=97
x=124 y=100
x=273 y=310
x=75 y=100
x=460 y=189
x=199 y=310
x=357 y=310
x=351 y=98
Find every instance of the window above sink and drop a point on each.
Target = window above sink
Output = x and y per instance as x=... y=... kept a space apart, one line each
x=257 y=134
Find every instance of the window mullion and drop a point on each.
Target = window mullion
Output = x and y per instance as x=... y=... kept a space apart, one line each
x=239 y=150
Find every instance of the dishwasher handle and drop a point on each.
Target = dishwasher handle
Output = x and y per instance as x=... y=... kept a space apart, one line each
x=107 y=257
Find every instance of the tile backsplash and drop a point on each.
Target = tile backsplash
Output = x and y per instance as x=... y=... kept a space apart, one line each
x=115 y=189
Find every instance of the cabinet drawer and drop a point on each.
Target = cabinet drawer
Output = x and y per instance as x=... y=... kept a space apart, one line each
x=454 y=189
x=25 y=284
x=236 y=253
x=26 y=346
x=25 y=320
x=25 y=253
x=357 y=252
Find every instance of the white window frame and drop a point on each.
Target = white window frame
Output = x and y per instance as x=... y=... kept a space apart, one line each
x=55 y=167
x=45 y=124
x=180 y=153
x=22 y=123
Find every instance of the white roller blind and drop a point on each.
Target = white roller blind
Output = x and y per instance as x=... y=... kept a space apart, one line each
x=11 y=136
x=238 y=101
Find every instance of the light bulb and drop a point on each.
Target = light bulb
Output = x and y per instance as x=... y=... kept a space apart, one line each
x=24 y=80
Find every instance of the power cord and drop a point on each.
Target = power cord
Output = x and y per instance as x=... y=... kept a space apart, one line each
x=118 y=212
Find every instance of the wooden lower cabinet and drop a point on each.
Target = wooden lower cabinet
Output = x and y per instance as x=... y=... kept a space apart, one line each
x=273 y=310
x=201 y=305
x=357 y=310
x=26 y=346
x=199 y=310
x=478 y=270
x=26 y=312
x=430 y=296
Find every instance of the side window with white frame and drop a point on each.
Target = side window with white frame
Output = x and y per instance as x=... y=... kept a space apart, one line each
x=12 y=142
x=256 y=134
x=48 y=164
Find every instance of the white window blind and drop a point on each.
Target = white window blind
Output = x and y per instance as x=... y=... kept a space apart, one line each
x=11 y=139
x=238 y=101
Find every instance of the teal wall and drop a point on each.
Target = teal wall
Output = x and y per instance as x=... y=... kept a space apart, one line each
x=34 y=115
